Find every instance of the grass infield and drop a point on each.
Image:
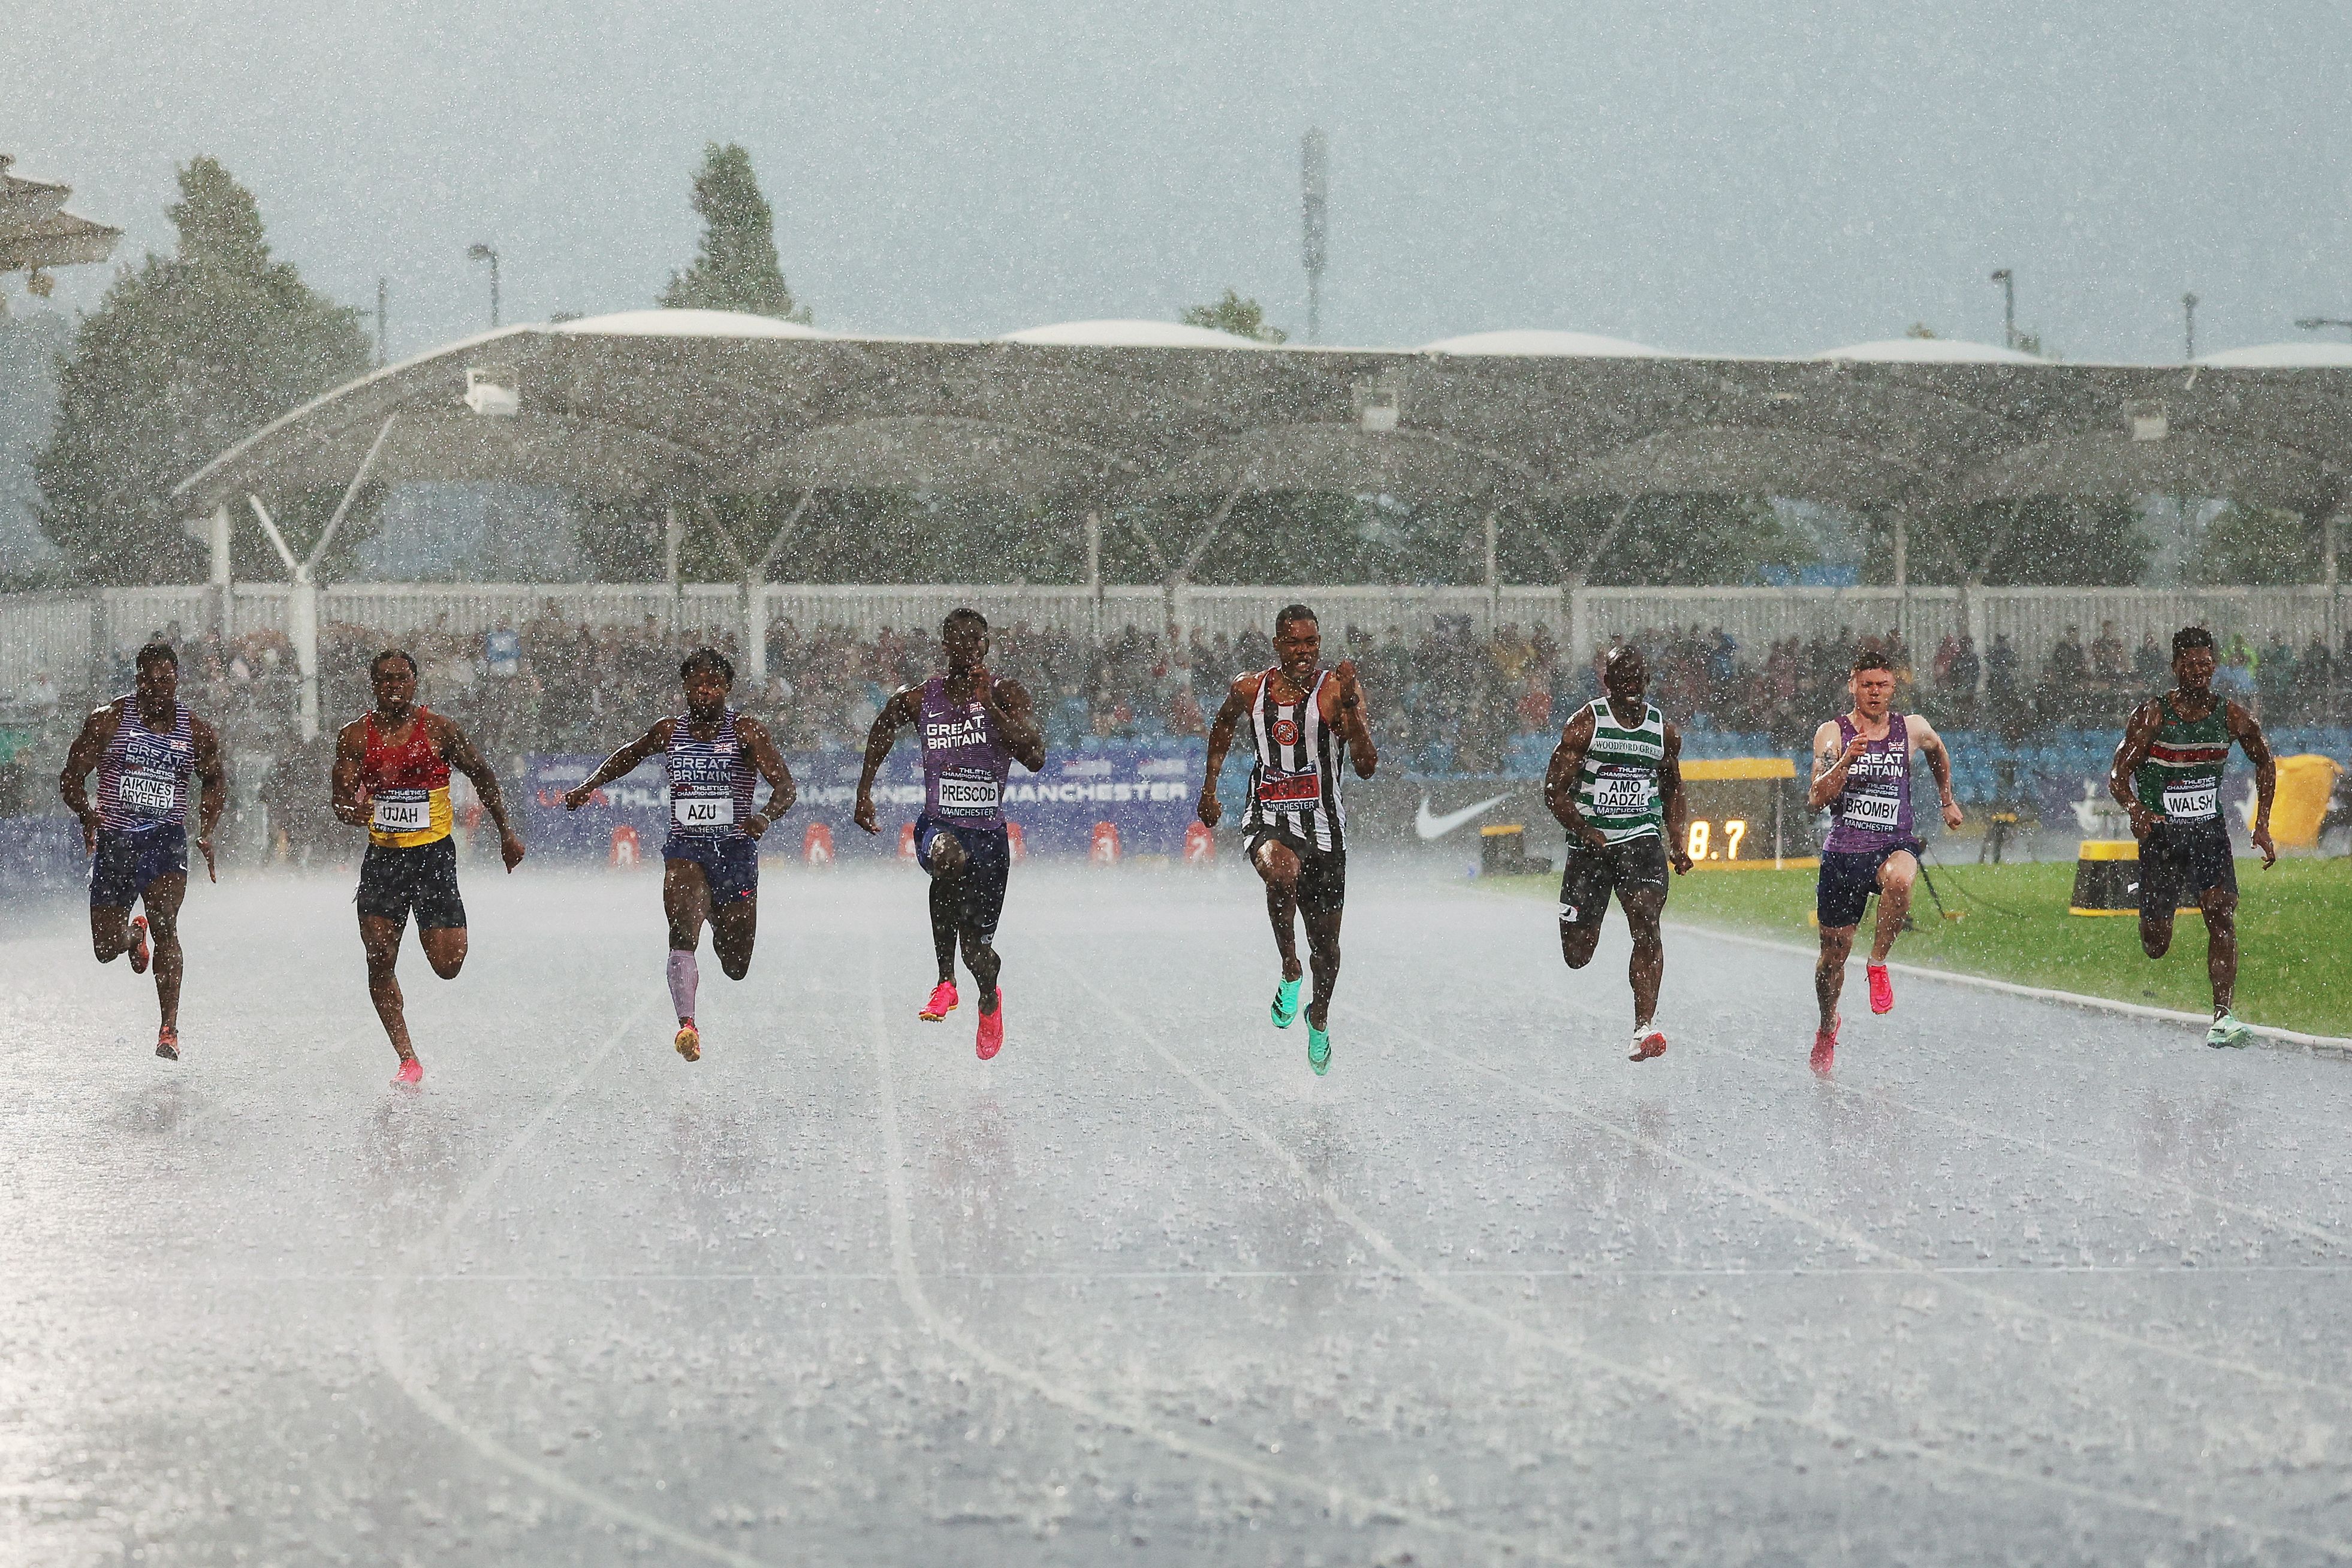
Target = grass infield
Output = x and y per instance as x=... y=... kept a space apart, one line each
x=2295 y=935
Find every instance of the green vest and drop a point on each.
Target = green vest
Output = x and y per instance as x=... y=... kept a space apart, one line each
x=2181 y=780
x=1617 y=787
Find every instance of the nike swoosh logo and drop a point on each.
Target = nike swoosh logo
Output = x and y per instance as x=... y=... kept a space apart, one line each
x=1429 y=827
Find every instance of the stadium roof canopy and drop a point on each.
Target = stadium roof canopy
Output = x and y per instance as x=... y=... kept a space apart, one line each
x=38 y=233
x=675 y=405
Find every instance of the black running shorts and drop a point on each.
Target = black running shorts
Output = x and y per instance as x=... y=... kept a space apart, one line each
x=2183 y=861
x=1588 y=875
x=394 y=881
x=1322 y=873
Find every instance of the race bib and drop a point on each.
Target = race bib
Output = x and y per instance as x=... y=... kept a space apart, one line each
x=147 y=794
x=1618 y=794
x=409 y=811
x=702 y=812
x=1883 y=811
x=961 y=793
x=2191 y=801
x=1290 y=789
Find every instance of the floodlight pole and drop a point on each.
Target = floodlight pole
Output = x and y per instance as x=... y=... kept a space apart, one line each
x=478 y=252
x=2008 y=281
x=1315 y=189
x=383 y=294
x=2188 y=327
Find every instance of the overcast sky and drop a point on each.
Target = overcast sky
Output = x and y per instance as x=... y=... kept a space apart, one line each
x=1768 y=179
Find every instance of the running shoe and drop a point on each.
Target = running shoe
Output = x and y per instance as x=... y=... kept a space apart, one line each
x=139 y=949
x=942 y=1002
x=1649 y=1040
x=688 y=1041
x=1881 y=989
x=1286 y=1003
x=1825 y=1044
x=1318 y=1046
x=2228 y=1030
x=167 y=1042
x=411 y=1074
x=991 y=1038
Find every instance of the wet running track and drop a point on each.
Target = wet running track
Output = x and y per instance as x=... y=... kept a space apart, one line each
x=2015 y=1283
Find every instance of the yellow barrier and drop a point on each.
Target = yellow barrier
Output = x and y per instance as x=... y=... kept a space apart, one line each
x=2305 y=783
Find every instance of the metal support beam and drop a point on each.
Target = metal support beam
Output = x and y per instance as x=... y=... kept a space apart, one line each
x=223 y=585
x=277 y=540
x=302 y=629
x=1171 y=591
x=1494 y=576
x=1094 y=570
x=672 y=532
x=350 y=493
x=755 y=593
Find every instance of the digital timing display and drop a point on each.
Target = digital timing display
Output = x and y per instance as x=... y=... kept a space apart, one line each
x=1741 y=813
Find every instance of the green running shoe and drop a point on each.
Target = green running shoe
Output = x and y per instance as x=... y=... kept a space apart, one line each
x=1319 y=1048
x=1286 y=1003
x=2227 y=1030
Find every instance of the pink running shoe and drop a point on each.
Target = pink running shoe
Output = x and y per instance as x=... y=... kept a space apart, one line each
x=1881 y=989
x=411 y=1074
x=139 y=949
x=1825 y=1046
x=992 y=1030
x=942 y=1002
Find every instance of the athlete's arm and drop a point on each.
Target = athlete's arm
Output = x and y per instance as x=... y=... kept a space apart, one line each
x=1940 y=763
x=87 y=752
x=1238 y=697
x=1829 y=765
x=215 y=780
x=1559 y=779
x=350 y=755
x=459 y=752
x=2249 y=736
x=1008 y=703
x=623 y=762
x=2139 y=735
x=903 y=707
x=782 y=791
x=1347 y=713
x=1670 y=780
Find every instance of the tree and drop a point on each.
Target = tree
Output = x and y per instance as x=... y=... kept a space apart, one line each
x=2255 y=547
x=735 y=266
x=185 y=356
x=1243 y=318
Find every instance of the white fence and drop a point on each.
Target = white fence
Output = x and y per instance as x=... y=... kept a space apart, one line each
x=70 y=637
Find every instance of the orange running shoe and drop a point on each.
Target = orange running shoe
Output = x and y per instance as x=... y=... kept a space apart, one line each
x=411 y=1074
x=140 y=951
x=992 y=1030
x=942 y=1002
x=690 y=1040
x=1881 y=989
x=167 y=1042
x=1649 y=1041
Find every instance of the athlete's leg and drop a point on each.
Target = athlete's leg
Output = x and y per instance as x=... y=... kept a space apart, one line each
x=110 y=932
x=734 y=926
x=2155 y=930
x=1647 y=969
x=1894 y=880
x=381 y=938
x=1578 y=941
x=686 y=900
x=980 y=956
x=161 y=898
x=445 y=949
x=944 y=928
x=1323 y=951
x=1277 y=866
x=2221 y=907
x=1829 y=970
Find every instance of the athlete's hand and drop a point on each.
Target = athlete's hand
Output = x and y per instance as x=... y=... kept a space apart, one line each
x=1209 y=810
x=863 y=814
x=573 y=799
x=1854 y=748
x=1593 y=836
x=2270 y=850
x=1352 y=689
x=212 y=872
x=90 y=833
x=756 y=823
x=983 y=688
x=2143 y=822
x=511 y=847
x=1952 y=814
x=1680 y=859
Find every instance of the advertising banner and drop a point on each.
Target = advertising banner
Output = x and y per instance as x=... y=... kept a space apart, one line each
x=1146 y=797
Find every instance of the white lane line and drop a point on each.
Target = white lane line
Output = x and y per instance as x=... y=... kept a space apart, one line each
x=392 y=1356
x=1687 y=1390
x=2273 y=1038
x=910 y=1291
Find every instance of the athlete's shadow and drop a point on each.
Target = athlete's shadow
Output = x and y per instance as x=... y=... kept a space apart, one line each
x=2186 y=1138
x=1289 y=1227
x=415 y=1150
x=159 y=1111
x=972 y=1169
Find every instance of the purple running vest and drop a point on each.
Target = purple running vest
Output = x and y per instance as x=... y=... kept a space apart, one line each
x=1874 y=811
x=710 y=781
x=964 y=760
x=142 y=779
